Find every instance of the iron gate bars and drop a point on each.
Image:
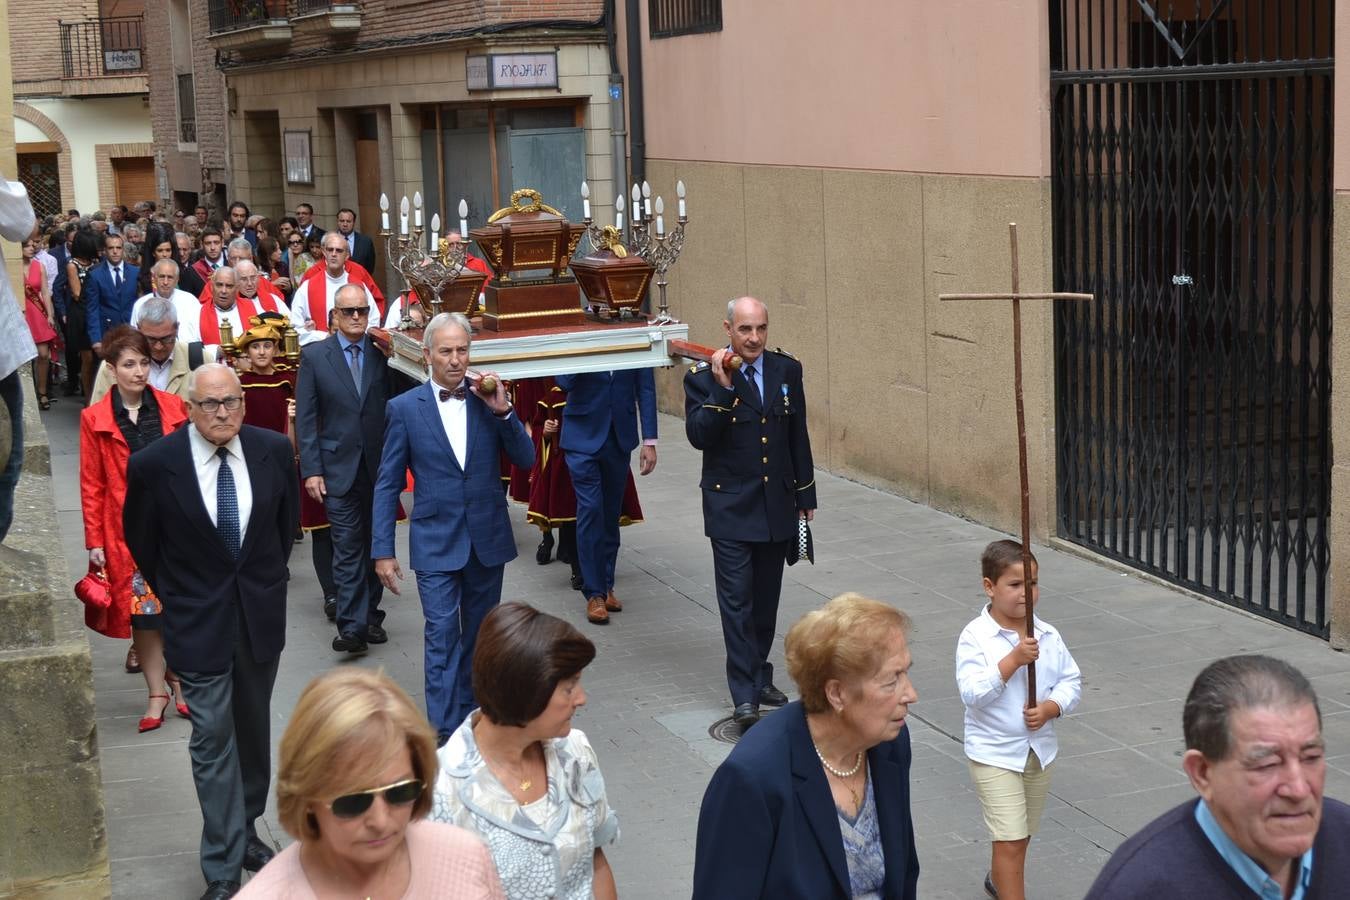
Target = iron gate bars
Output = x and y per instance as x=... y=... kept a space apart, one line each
x=1191 y=146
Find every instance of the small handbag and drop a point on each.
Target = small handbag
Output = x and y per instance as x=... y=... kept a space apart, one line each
x=95 y=593
x=803 y=547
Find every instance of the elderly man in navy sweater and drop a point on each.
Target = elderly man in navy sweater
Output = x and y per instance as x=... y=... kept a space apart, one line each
x=1261 y=828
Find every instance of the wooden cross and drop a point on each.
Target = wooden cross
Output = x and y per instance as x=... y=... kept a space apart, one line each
x=1017 y=297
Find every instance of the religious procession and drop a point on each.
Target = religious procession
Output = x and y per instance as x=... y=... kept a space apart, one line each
x=1004 y=567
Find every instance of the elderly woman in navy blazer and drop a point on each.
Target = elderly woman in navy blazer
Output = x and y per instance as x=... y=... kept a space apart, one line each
x=813 y=803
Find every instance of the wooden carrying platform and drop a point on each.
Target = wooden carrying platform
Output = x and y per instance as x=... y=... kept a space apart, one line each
x=559 y=350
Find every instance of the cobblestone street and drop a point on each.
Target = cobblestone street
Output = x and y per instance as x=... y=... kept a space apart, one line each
x=657 y=685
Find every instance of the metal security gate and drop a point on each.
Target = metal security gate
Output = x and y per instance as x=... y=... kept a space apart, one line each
x=1192 y=194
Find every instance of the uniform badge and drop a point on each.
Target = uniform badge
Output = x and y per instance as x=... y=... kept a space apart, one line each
x=786 y=402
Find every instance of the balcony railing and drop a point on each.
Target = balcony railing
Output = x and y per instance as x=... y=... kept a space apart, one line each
x=306 y=7
x=98 y=47
x=233 y=15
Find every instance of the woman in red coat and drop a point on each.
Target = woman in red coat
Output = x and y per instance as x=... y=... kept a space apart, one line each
x=125 y=421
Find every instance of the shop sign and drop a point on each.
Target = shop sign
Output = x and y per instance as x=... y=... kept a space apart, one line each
x=499 y=71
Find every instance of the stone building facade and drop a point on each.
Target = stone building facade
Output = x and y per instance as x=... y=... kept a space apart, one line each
x=81 y=120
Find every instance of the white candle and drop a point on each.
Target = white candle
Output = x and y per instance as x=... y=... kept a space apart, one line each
x=618 y=212
x=417 y=209
x=585 y=201
x=435 y=233
x=637 y=203
x=403 y=216
x=679 y=190
x=463 y=218
x=660 y=217
x=384 y=213
x=646 y=200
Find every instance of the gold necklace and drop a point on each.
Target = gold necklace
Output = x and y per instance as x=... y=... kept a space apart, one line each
x=523 y=783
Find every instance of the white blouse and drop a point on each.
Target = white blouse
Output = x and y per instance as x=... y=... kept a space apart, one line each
x=547 y=849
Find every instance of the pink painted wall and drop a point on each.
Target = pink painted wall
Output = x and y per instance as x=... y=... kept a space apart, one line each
x=958 y=86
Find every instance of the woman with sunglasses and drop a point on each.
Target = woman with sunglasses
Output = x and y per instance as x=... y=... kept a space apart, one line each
x=352 y=789
x=518 y=773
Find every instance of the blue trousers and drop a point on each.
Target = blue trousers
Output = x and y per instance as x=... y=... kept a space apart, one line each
x=11 y=393
x=231 y=754
x=454 y=605
x=599 y=479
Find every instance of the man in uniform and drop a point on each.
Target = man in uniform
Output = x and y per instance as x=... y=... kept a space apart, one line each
x=757 y=481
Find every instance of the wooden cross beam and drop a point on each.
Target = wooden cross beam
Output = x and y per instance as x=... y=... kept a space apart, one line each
x=1017 y=297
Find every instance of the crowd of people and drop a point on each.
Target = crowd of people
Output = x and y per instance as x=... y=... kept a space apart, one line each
x=203 y=460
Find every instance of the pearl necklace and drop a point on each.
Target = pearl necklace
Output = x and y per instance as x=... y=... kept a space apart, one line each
x=857 y=764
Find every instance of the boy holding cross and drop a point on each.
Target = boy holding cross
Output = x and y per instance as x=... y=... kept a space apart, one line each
x=1009 y=743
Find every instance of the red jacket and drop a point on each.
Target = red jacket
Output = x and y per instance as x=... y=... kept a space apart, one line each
x=356 y=274
x=103 y=492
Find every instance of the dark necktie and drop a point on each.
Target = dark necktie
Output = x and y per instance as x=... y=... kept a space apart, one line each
x=355 y=351
x=458 y=393
x=750 y=379
x=117 y=276
x=227 y=505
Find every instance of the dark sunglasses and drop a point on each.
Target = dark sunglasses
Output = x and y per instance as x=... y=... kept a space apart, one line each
x=400 y=793
x=296 y=243
x=353 y=311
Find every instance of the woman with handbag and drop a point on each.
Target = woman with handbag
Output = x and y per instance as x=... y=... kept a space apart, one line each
x=125 y=421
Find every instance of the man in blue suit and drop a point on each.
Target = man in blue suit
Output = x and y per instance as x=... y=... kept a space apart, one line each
x=599 y=434
x=109 y=292
x=460 y=541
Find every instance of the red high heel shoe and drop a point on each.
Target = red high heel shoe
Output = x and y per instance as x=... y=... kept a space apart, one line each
x=150 y=723
x=176 y=688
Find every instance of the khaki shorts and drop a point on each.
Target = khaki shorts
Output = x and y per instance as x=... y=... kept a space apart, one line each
x=1012 y=801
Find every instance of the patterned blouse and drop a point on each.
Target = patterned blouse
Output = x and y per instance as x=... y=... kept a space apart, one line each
x=862 y=848
x=547 y=850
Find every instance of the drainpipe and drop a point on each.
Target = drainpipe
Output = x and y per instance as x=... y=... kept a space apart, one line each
x=617 y=132
x=638 y=132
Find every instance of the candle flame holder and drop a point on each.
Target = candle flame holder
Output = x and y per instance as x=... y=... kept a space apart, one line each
x=427 y=272
x=661 y=250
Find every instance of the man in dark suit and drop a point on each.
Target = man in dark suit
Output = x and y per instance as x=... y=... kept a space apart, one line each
x=362 y=247
x=758 y=479
x=451 y=437
x=210 y=519
x=110 y=292
x=598 y=436
x=340 y=400
x=304 y=214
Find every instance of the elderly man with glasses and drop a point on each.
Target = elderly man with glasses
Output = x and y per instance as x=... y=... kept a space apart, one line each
x=172 y=358
x=318 y=290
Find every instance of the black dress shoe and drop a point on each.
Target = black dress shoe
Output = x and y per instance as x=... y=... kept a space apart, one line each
x=221 y=890
x=745 y=715
x=771 y=696
x=578 y=584
x=330 y=608
x=349 y=643
x=257 y=854
x=989 y=886
x=375 y=634
x=545 y=551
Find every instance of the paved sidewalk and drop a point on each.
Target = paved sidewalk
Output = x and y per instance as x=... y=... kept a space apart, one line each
x=657 y=685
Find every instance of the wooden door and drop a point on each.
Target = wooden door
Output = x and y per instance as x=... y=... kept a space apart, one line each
x=368 y=198
x=134 y=179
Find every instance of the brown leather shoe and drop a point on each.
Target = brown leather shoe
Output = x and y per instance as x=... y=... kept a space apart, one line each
x=596 y=613
x=612 y=603
x=133 y=661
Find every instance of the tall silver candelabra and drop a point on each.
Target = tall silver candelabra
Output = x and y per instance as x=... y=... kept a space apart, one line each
x=658 y=247
x=421 y=266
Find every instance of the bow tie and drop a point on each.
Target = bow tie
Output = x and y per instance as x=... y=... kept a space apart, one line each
x=458 y=393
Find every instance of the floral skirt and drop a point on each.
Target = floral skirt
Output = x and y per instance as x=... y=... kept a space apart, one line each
x=146 y=610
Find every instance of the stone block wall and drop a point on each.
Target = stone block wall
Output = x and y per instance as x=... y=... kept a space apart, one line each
x=53 y=838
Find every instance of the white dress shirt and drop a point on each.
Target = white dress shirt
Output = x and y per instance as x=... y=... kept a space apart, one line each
x=207 y=466
x=996 y=733
x=455 y=420
x=188 y=308
x=160 y=372
x=117 y=274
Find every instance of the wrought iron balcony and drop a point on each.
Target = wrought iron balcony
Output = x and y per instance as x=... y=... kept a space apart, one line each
x=99 y=47
x=236 y=15
x=335 y=16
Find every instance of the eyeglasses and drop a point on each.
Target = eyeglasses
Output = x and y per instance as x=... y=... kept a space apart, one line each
x=353 y=312
x=296 y=243
x=400 y=793
x=212 y=406
x=162 y=341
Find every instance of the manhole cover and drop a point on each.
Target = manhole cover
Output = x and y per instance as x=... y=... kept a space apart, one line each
x=725 y=730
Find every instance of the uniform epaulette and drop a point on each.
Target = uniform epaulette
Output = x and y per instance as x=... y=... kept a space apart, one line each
x=781 y=352
x=698 y=367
